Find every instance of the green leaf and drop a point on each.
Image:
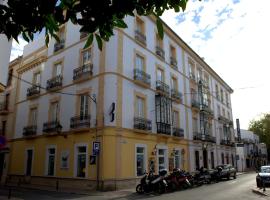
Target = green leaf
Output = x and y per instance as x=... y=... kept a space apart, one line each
x=99 y=41
x=120 y=23
x=25 y=37
x=160 y=28
x=47 y=39
x=89 y=41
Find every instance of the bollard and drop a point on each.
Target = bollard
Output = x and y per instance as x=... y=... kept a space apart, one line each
x=9 y=193
x=263 y=186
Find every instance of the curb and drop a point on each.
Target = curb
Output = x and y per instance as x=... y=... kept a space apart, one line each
x=259 y=191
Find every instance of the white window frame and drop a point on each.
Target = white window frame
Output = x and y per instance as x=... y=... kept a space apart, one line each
x=166 y=156
x=76 y=157
x=25 y=160
x=145 y=157
x=47 y=160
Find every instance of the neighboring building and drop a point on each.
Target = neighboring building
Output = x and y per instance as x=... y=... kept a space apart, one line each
x=7 y=116
x=5 y=50
x=149 y=102
x=250 y=152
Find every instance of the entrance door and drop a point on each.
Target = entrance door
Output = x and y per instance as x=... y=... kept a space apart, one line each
x=2 y=158
x=212 y=160
x=197 y=160
x=205 y=159
x=29 y=162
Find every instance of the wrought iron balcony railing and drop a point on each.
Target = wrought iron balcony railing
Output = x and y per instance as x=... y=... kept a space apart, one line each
x=160 y=52
x=204 y=137
x=59 y=45
x=29 y=130
x=142 y=76
x=173 y=62
x=82 y=121
x=53 y=126
x=160 y=86
x=163 y=128
x=54 y=83
x=142 y=124
x=206 y=109
x=226 y=142
x=33 y=91
x=195 y=103
x=178 y=132
x=176 y=95
x=139 y=36
x=82 y=72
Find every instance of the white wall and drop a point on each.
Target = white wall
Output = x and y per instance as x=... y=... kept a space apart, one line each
x=5 y=50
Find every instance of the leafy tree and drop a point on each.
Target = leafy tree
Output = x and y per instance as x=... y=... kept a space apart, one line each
x=96 y=17
x=261 y=127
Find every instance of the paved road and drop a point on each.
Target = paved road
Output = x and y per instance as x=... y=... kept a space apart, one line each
x=239 y=189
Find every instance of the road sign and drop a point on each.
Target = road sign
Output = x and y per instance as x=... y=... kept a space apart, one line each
x=96 y=148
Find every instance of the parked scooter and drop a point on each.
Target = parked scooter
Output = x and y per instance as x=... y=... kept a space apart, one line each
x=153 y=183
x=202 y=177
x=216 y=174
x=178 y=180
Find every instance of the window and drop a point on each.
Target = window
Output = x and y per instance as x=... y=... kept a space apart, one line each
x=139 y=25
x=140 y=160
x=174 y=83
x=199 y=75
x=33 y=117
x=162 y=159
x=4 y=124
x=218 y=110
x=175 y=119
x=160 y=75
x=86 y=57
x=191 y=69
x=57 y=69
x=139 y=62
x=222 y=158
x=50 y=161
x=37 y=78
x=221 y=95
x=84 y=105
x=195 y=125
x=159 y=41
x=54 y=111
x=140 y=107
x=217 y=92
x=227 y=99
x=223 y=112
x=177 y=159
x=172 y=51
x=81 y=155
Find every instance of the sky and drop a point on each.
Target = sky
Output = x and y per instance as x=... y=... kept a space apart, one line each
x=234 y=38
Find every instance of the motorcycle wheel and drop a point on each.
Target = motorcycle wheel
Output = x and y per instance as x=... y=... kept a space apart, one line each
x=161 y=188
x=173 y=187
x=139 y=189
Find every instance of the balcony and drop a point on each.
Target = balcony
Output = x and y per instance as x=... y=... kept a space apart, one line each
x=142 y=78
x=206 y=110
x=29 y=131
x=3 y=108
x=83 y=73
x=59 y=45
x=162 y=87
x=79 y=122
x=195 y=104
x=173 y=62
x=142 y=124
x=52 y=127
x=54 y=83
x=163 y=128
x=204 y=137
x=178 y=132
x=160 y=52
x=176 y=96
x=33 y=91
x=140 y=37
x=226 y=142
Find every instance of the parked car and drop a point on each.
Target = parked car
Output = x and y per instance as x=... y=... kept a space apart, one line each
x=263 y=177
x=227 y=171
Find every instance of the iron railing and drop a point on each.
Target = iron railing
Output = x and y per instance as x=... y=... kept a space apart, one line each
x=83 y=71
x=140 y=75
x=163 y=128
x=29 y=130
x=163 y=87
x=178 y=132
x=176 y=95
x=34 y=90
x=53 y=126
x=139 y=36
x=54 y=82
x=82 y=121
x=173 y=62
x=160 y=52
x=142 y=124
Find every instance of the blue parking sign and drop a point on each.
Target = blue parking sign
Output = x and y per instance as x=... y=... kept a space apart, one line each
x=96 y=148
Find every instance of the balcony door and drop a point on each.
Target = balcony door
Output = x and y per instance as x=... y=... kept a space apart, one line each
x=54 y=111
x=140 y=107
x=84 y=105
x=29 y=160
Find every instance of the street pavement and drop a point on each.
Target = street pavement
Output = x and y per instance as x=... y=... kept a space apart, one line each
x=238 y=189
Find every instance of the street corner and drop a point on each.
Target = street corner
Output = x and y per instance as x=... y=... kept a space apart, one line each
x=260 y=191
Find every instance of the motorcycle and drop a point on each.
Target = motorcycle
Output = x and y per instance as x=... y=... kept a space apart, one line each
x=178 y=180
x=153 y=183
x=202 y=177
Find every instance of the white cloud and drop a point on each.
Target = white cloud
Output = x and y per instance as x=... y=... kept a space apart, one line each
x=237 y=49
